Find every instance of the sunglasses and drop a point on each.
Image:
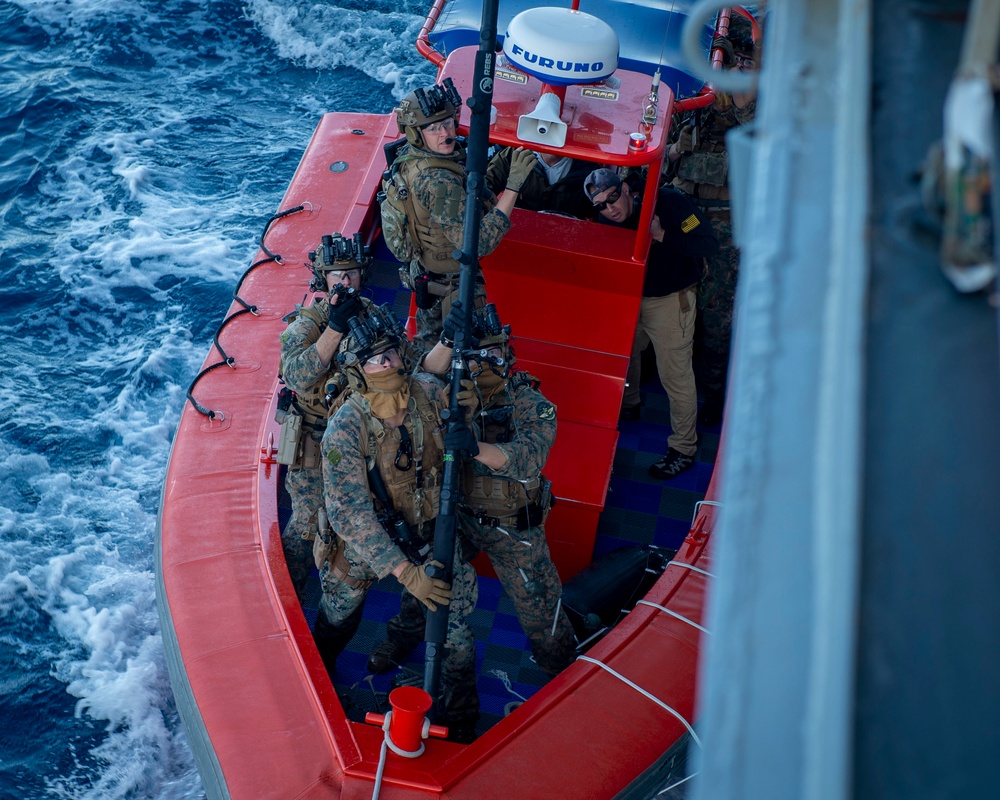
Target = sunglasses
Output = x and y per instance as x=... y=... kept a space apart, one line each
x=610 y=200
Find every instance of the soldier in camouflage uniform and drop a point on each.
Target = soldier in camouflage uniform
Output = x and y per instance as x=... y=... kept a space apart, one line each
x=505 y=498
x=391 y=424
x=314 y=389
x=427 y=185
x=699 y=164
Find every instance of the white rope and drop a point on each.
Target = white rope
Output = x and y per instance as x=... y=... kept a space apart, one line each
x=381 y=765
x=675 y=785
x=690 y=567
x=675 y=615
x=640 y=690
x=700 y=503
x=499 y=673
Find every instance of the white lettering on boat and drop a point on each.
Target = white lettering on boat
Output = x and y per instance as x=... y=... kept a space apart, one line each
x=550 y=63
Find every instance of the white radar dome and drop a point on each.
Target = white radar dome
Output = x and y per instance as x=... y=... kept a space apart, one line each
x=560 y=46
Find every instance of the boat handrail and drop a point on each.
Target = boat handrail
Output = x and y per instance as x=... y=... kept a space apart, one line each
x=424 y=46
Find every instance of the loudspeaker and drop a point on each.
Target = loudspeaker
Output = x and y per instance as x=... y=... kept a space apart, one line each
x=543 y=126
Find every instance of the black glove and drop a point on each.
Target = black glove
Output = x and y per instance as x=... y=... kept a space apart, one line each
x=348 y=306
x=462 y=439
x=451 y=324
x=728 y=56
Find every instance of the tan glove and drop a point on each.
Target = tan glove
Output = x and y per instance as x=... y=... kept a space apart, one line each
x=522 y=161
x=685 y=142
x=468 y=398
x=429 y=591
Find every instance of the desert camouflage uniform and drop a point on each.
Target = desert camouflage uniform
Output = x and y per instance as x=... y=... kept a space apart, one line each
x=441 y=193
x=700 y=178
x=305 y=374
x=372 y=553
x=520 y=555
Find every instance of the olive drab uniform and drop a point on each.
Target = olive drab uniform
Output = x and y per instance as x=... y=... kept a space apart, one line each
x=702 y=175
x=429 y=189
x=410 y=461
x=502 y=512
x=313 y=392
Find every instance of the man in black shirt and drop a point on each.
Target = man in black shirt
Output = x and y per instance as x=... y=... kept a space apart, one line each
x=682 y=239
x=553 y=184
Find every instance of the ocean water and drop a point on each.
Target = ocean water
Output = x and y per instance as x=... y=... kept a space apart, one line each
x=143 y=144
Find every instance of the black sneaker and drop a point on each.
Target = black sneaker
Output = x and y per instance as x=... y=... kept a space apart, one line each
x=671 y=465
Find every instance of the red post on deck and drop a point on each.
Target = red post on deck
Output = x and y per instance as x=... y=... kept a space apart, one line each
x=408 y=723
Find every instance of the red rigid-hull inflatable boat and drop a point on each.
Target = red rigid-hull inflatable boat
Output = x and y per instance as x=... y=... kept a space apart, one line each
x=261 y=712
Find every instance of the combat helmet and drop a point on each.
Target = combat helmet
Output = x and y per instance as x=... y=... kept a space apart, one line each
x=375 y=333
x=490 y=332
x=423 y=107
x=337 y=252
x=741 y=36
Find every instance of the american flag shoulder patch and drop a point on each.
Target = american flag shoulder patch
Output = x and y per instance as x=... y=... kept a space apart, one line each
x=690 y=224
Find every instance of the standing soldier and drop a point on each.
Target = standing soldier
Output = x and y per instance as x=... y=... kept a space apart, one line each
x=423 y=213
x=385 y=442
x=505 y=498
x=699 y=165
x=314 y=389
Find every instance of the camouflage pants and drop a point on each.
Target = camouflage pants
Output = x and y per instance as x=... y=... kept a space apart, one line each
x=430 y=320
x=716 y=295
x=305 y=487
x=529 y=577
x=340 y=604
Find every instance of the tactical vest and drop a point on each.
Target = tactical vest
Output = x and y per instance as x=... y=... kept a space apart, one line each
x=703 y=173
x=312 y=403
x=430 y=246
x=486 y=494
x=414 y=492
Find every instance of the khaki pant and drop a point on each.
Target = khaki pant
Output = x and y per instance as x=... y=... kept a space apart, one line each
x=668 y=322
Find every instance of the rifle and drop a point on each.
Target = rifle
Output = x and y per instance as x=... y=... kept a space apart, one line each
x=468 y=258
x=395 y=524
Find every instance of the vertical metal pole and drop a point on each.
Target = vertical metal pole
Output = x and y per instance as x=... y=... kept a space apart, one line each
x=479 y=129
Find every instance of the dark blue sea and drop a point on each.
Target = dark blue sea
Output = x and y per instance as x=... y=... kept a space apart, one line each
x=143 y=144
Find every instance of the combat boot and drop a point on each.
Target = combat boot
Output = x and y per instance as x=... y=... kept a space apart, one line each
x=386 y=655
x=332 y=639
